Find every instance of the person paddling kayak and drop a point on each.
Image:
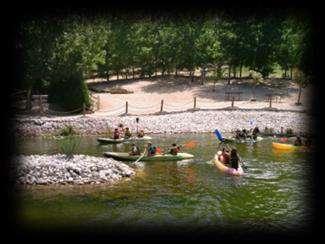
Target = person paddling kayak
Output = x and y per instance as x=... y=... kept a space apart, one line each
x=224 y=156
x=255 y=132
x=234 y=159
x=127 y=133
x=141 y=134
x=134 y=150
x=298 y=141
x=151 y=150
x=120 y=128
x=116 y=134
x=175 y=149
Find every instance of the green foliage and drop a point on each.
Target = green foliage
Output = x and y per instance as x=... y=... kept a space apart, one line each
x=256 y=76
x=300 y=78
x=58 y=54
x=68 y=146
x=67 y=131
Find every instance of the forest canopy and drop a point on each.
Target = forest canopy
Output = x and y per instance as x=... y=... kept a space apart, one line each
x=60 y=53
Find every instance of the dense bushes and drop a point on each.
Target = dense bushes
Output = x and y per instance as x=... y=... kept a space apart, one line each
x=69 y=92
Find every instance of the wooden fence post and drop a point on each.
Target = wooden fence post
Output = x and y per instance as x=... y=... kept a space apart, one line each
x=270 y=104
x=126 y=107
x=162 y=106
x=194 y=106
x=232 y=101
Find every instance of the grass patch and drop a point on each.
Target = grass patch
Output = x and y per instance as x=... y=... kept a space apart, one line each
x=68 y=146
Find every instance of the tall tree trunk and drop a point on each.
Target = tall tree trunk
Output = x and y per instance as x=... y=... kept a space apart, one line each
x=285 y=73
x=133 y=72
x=240 y=70
x=176 y=72
x=229 y=73
x=192 y=76
x=202 y=75
x=190 y=80
x=107 y=76
x=116 y=75
x=29 y=99
x=290 y=73
x=234 y=71
x=299 y=95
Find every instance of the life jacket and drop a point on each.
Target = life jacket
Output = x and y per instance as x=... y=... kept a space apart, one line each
x=127 y=134
x=158 y=150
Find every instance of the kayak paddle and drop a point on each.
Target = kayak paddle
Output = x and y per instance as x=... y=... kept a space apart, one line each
x=144 y=152
x=190 y=144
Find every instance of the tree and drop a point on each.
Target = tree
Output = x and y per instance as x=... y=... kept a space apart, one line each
x=37 y=45
x=263 y=46
x=77 y=52
x=289 y=52
x=257 y=79
x=302 y=80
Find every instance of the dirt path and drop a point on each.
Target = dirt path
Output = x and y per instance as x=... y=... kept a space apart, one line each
x=178 y=95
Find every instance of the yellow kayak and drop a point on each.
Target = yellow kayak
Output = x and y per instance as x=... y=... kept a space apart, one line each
x=284 y=146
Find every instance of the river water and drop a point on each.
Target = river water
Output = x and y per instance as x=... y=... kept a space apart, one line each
x=192 y=194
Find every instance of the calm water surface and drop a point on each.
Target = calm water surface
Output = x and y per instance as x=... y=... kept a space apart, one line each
x=273 y=193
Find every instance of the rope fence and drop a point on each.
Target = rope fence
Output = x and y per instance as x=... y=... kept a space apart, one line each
x=195 y=104
x=124 y=107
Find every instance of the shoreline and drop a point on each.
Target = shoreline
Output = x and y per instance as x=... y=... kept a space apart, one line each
x=170 y=123
x=55 y=169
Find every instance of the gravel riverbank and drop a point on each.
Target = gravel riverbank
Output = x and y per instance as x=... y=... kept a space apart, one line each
x=81 y=169
x=199 y=121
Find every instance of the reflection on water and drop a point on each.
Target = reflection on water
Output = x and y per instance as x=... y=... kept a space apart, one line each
x=272 y=193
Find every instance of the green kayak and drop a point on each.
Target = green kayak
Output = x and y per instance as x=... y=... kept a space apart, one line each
x=121 y=140
x=158 y=157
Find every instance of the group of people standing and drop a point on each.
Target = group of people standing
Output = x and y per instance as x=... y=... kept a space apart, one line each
x=120 y=132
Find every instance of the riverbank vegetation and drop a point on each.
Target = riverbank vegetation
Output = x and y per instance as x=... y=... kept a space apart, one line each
x=59 y=54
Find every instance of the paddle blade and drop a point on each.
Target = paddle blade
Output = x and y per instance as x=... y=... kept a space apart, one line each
x=190 y=144
x=218 y=135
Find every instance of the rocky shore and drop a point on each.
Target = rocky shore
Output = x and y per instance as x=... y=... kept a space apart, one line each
x=56 y=169
x=199 y=121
